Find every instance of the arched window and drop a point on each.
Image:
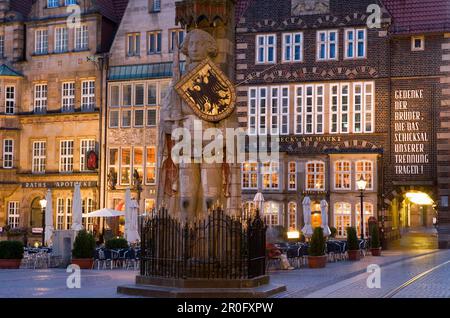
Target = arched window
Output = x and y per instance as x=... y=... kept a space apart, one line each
x=292 y=210
x=272 y=213
x=342 y=175
x=315 y=175
x=249 y=175
x=368 y=212
x=364 y=168
x=342 y=218
x=36 y=214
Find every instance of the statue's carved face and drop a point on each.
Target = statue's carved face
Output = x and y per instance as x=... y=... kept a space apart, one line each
x=198 y=48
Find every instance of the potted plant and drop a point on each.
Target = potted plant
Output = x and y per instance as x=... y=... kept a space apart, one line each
x=375 y=247
x=316 y=251
x=352 y=244
x=116 y=243
x=83 y=250
x=11 y=254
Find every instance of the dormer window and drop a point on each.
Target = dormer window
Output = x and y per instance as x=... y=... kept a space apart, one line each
x=417 y=43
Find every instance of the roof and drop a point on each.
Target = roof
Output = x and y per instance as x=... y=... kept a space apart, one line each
x=141 y=71
x=419 y=16
x=7 y=71
x=21 y=6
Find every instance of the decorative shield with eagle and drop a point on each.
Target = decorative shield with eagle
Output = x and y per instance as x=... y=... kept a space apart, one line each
x=208 y=91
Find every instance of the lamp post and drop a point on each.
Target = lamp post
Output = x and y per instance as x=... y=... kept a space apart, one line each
x=361 y=184
x=43 y=204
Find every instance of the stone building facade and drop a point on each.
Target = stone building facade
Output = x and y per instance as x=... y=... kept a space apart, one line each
x=345 y=98
x=57 y=49
x=140 y=69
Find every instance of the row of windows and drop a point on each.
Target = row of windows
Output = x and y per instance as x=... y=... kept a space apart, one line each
x=273 y=212
x=88 y=99
x=343 y=174
x=317 y=109
x=66 y=155
x=61 y=40
x=154 y=42
x=127 y=164
x=136 y=118
x=327 y=47
x=137 y=94
x=58 y=3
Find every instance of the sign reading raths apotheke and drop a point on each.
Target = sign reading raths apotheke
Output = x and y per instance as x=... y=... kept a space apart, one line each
x=59 y=184
x=412 y=132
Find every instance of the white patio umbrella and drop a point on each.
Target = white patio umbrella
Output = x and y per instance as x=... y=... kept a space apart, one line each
x=259 y=201
x=49 y=219
x=77 y=224
x=104 y=213
x=307 y=229
x=131 y=218
x=324 y=212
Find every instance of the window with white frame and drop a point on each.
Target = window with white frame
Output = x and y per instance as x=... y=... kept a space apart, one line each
x=8 y=153
x=88 y=207
x=138 y=164
x=68 y=96
x=13 y=214
x=334 y=109
x=52 y=3
x=315 y=176
x=270 y=174
x=113 y=163
x=344 y=108
x=154 y=42
x=262 y=111
x=275 y=110
x=342 y=218
x=363 y=107
x=249 y=175
x=252 y=111
x=39 y=157
x=364 y=168
x=272 y=213
x=61 y=40
x=319 y=109
x=10 y=99
x=173 y=36
x=114 y=96
x=88 y=95
x=151 y=117
x=293 y=47
x=126 y=118
x=139 y=94
x=68 y=217
x=355 y=43
x=70 y=2
x=284 y=110
x=368 y=212
x=342 y=175
x=127 y=92
x=114 y=119
x=138 y=118
x=292 y=175
x=150 y=166
x=60 y=211
x=418 y=43
x=368 y=108
x=266 y=48
x=40 y=98
x=86 y=145
x=292 y=213
x=298 y=119
x=327 y=45
x=152 y=95
x=155 y=5
x=2 y=45
x=133 y=44
x=309 y=109
x=41 y=41
x=66 y=156
x=125 y=166
x=81 y=38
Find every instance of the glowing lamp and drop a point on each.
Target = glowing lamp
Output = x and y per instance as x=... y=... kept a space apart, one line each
x=419 y=198
x=293 y=235
x=43 y=203
x=361 y=184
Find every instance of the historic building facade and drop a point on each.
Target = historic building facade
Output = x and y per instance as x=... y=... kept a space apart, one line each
x=347 y=99
x=140 y=69
x=53 y=53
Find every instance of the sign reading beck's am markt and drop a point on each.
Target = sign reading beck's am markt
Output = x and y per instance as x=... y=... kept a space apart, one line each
x=411 y=133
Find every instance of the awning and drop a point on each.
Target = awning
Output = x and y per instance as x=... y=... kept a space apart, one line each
x=105 y=213
x=142 y=71
x=5 y=70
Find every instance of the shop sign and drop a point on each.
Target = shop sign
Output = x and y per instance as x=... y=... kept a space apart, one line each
x=59 y=184
x=37 y=230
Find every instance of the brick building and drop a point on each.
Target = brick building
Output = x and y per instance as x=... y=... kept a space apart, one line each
x=52 y=78
x=347 y=99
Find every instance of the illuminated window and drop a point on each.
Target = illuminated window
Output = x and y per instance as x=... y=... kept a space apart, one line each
x=138 y=164
x=249 y=175
x=270 y=175
x=150 y=163
x=342 y=218
x=368 y=212
x=150 y=204
x=315 y=176
x=125 y=166
x=292 y=175
x=113 y=163
x=364 y=168
x=342 y=175
x=292 y=216
x=248 y=210
x=272 y=213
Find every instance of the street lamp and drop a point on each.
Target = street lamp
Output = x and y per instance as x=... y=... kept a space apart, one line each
x=43 y=204
x=361 y=184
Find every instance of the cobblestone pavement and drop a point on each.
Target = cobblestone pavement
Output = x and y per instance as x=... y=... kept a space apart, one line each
x=340 y=279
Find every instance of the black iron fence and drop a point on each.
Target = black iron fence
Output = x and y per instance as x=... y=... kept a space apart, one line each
x=216 y=247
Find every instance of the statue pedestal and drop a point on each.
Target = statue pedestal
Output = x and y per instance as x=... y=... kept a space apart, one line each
x=259 y=287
